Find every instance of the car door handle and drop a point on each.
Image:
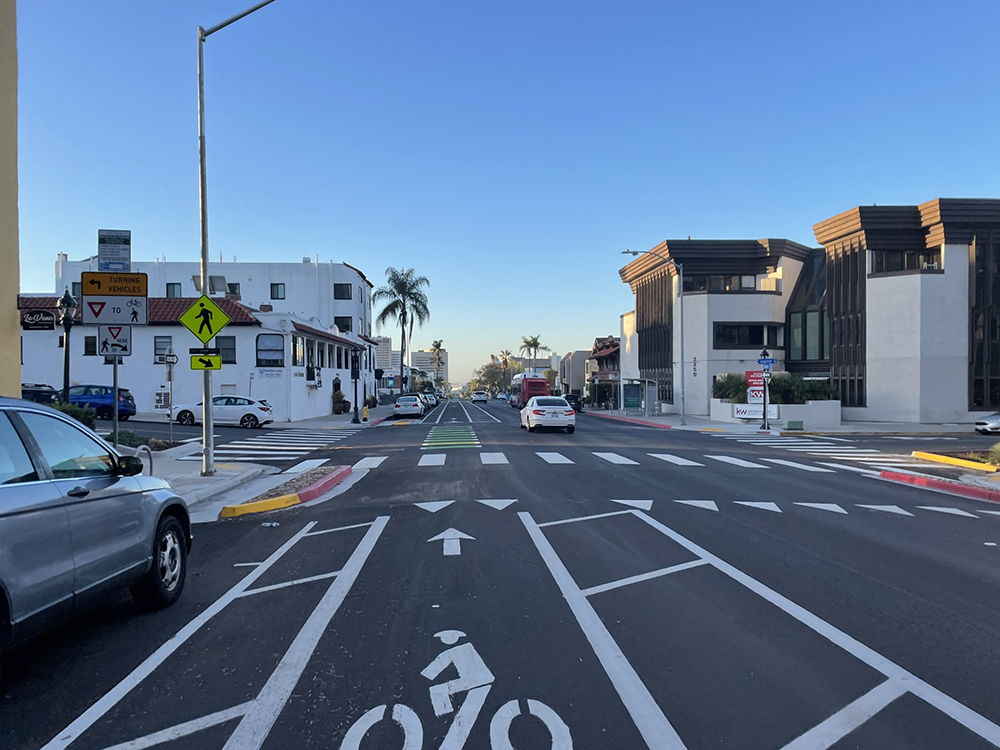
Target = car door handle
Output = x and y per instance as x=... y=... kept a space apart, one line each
x=78 y=492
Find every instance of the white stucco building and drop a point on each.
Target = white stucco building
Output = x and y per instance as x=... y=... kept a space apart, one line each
x=423 y=359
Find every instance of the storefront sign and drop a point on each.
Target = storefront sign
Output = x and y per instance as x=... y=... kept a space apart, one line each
x=38 y=320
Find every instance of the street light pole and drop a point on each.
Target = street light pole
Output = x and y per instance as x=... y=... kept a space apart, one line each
x=208 y=436
x=67 y=307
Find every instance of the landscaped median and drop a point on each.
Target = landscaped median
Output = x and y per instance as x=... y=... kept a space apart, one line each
x=953 y=461
x=301 y=489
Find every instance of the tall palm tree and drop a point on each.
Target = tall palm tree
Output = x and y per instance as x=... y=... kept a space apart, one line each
x=405 y=303
x=436 y=350
x=531 y=345
x=505 y=357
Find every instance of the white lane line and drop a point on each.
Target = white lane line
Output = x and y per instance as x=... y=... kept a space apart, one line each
x=438 y=420
x=466 y=412
x=832 y=507
x=738 y=462
x=858 y=469
x=553 y=458
x=493 y=458
x=183 y=730
x=432 y=459
x=584 y=518
x=370 y=462
x=647 y=716
x=793 y=465
x=111 y=698
x=340 y=528
x=614 y=458
x=850 y=717
x=759 y=505
x=888 y=509
x=642 y=577
x=286 y=584
x=677 y=460
x=930 y=694
x=486 y=412
x=304 y=466
x=949 y=511
x=257 y=722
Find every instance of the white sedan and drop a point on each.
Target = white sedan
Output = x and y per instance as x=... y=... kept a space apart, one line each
x=480 y=396
x=408 y=406
x=246 y=412
x=548 y=411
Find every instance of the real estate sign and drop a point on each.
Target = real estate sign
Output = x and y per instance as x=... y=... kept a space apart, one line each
x=755 y=388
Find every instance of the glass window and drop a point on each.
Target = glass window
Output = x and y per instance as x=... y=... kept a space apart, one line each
x=173 y=290
x=76 y=390
x=320 y=355
x=161 y=347
x=15 y=466
x=343 y=322
x=227 y=348
x=795 y=345
x=233 y=287
x=340 y=358
x=715 y=283
x=826 y=336
x=748 y=282
x=342 y=291
x=726 y=336
x=270 y=350
x=298 y=352
x=277 y=291
x=67 y=450
x=310 y=352
x=77 y=290
x=90 y=346
x=812 y=335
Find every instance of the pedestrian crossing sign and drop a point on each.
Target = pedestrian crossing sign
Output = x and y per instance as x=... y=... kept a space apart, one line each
x=204 y=319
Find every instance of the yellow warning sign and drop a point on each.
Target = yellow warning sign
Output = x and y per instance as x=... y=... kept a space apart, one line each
x=206 y=361
x=204 y=319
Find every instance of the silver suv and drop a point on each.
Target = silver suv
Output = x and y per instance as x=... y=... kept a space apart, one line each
x=77 y=522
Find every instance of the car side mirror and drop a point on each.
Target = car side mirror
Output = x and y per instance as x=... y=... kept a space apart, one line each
x=130 y=466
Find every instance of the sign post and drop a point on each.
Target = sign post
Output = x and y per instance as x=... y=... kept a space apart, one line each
x=171 y=359
x=765 y=361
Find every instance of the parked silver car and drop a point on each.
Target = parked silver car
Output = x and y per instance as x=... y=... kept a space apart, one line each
x=77 y=521
x=990 y=424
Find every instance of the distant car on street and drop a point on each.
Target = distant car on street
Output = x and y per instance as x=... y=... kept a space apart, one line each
x=100 y=398
x=409 y=406
x=40 y=393
x=988 y=425
x=502 y=396
x=241 y=410
x=573 y=400
x=548 y=411
x=480 y=396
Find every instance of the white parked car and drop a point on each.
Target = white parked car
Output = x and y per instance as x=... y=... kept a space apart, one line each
x=408 y=406
x=989 y=424
x=246 y=412
x=431 y=399
x=480 y=396
x=548 y=411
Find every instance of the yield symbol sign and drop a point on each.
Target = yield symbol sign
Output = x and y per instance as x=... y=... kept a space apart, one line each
x=452 y=539
x=114 y=331
x=96 y=307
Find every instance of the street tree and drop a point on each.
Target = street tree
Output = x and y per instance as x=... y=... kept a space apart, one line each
x=436 y=350
x=405 y=303
x=530 y=345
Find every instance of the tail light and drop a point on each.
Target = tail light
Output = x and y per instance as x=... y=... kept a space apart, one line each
x=569 y=412
x=538 y=412
x=263 y=408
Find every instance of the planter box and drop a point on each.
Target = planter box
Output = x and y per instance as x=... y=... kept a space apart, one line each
x=813 y=415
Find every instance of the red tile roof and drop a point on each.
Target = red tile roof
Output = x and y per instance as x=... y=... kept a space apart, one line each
x=162 y=310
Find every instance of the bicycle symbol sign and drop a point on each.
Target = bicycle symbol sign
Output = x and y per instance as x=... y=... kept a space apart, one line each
x=475 y=679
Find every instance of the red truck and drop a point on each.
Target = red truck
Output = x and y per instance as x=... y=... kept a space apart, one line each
x=526 y=386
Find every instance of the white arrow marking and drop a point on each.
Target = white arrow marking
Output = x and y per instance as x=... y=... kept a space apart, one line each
x=762 y=506
x=643 y=504
x=706 y=504
x=452 y=539
x=497 y=504
x=832 y=507
x=888 y=509
x=435 y=506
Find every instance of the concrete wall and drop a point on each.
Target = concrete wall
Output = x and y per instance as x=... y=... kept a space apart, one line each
x=813 y=414
x=10 y=370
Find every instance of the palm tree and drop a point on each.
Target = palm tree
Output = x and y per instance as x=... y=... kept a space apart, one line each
x=405 y=302
x=505 y=357
x=436 y=350
x=531 y=345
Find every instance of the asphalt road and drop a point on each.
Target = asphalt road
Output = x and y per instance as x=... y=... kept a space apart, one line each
x=622 y=587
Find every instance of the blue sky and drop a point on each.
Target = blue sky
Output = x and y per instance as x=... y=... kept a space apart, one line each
x=508 y=151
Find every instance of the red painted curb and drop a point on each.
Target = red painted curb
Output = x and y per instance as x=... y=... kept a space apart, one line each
x=955 y=488
x=626 y=419
x=377 y=421
x=320 y=486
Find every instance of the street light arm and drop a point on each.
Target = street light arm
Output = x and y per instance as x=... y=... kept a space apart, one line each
x=205 y=33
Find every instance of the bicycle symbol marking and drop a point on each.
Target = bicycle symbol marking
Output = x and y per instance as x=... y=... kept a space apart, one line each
x=475 y=679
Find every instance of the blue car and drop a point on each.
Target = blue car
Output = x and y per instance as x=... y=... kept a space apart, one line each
x=100 y=399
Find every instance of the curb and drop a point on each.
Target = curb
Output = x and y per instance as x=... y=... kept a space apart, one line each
x=964 y=463
x=942 y=485
x=314 y=490
x=626 y=419
x=196 y=496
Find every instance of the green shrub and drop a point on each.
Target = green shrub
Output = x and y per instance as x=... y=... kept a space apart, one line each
x=994 y=454
x=82 y=414
x=784 y=389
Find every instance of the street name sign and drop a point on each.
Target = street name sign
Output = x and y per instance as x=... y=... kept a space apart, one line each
x=114 y=250
x=114 y=340
x=110 y=310
x=206 y=362
x=767 y=361
x=204 y=319
x=114 y=284
x=205 y=350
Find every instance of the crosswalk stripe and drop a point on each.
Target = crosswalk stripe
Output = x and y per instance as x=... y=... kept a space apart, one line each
x=857 y=469
x=493 y=458
x=614 y=458
x=793 y=465
x=370 y=462
x=432 y=459
x=738 y=462
x=553 y=458
x=674 y=459
x=837 y=450
x=304 y=466
x=255 y=447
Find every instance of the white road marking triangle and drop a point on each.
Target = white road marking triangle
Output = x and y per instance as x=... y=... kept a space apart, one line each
x=706 y=504
x=497 y=504
x=991 y=512
x=832 y=507
x=434 y=506
x=949 y=511
x=761 y=506
x=888 y=509
x=643 y=504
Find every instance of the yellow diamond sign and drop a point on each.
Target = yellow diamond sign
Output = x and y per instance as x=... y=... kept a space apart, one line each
x=204 y=319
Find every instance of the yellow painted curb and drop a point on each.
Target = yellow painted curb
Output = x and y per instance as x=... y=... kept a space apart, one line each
x=954 y=461
x=712 y=429
x=282 y=501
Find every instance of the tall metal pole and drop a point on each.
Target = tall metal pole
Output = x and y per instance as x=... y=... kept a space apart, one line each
x=67 y=324
x=114 y=386
x=680 y=296
x=208 y=432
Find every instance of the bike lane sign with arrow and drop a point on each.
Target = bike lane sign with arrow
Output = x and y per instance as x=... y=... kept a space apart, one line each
x=204 y=319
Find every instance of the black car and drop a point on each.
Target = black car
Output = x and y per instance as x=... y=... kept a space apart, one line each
x=574 y=401
x=39 y=393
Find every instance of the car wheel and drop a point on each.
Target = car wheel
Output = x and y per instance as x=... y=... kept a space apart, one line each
x=105 y=412
x=571 y=429
x=185 y=417
x=530 y=427
x=162 y=585
x=249 y=421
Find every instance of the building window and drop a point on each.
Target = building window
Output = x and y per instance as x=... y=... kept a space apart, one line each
x=277 y=291
x=795 y=348
x=340 y=358
x=894 y=261
x=161 y=347
x=310 y=353
x=343 y=322
x=227 y=348
x=77 y=289
x=270 y=350
x=320 y=355
x=342 y=291
x=234 y=287
x=298 y=351
x=173 y=290
x=90 y=346
x=812 y=335
x=720 y=283
x=745 y=335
